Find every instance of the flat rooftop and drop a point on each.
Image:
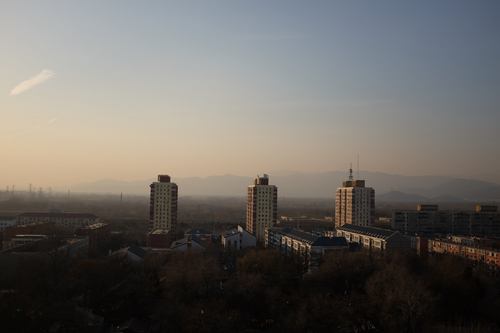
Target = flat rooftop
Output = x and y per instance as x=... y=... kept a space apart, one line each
x=45 y=245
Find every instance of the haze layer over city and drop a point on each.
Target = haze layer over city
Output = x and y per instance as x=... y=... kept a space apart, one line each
x=129 y=90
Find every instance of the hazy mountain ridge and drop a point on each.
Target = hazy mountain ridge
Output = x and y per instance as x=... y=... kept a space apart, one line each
x=455 y=187
x=318 y=184
x=397 y=196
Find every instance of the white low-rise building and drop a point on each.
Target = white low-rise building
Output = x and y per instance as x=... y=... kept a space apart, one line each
x=237 y=239
x=8 y=219
x=190 y=242
x=4 y=224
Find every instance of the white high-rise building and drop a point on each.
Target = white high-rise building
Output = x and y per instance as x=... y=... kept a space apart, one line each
x=354 y=203
x=163 y=206
x=262 y=206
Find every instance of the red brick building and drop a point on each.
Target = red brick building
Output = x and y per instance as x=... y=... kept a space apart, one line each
x=39 y=228
x=35 y=228
x=474 y=251
x=97 y=233
x=159 y=239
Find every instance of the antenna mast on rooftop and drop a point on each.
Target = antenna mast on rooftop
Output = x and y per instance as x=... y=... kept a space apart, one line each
x=358 y=166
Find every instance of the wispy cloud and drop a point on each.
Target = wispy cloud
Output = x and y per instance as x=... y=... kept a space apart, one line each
x=30 y=130
x=37 y=79
x=24 y=132
x=51 y=121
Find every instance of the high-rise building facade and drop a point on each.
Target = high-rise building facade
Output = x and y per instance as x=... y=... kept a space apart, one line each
x=354 y=204
x=262 y=207
x=163 y=205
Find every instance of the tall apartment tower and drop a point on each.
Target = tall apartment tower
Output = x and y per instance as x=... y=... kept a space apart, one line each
x=262 y=207
x=354 y=203
x=163 y=205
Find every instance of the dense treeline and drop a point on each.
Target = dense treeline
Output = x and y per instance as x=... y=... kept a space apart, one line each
x=217 y=291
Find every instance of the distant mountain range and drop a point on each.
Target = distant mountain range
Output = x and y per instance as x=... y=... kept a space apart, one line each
x=314 y=185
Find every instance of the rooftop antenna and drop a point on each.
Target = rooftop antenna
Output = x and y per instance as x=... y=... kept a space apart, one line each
x=350 y=173
x=358 y=166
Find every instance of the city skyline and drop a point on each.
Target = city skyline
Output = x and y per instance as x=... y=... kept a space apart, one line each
x=128 y=90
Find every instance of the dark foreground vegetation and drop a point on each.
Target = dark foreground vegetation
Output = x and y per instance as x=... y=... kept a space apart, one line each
x=216 y=291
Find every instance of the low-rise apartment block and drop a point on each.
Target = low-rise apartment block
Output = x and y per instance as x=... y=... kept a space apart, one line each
x=46 y=248
x=374 y=238
x=97 y=233
x=188 y=243
x=484 y=221
x=68 y=221
x=19 y=240
x=38 y=228
x=292 y=241
x=475 y=251
x=237 y=239
x=159 y=239
x=7 y=219
x=205 y=235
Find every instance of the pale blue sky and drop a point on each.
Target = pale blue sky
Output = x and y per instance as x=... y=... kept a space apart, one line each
x=196 y=88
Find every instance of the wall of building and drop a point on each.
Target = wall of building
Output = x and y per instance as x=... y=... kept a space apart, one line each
x=455 y=222
x=68 y=221
x=262 y=208
x=485 y=258
x=163 y=206
x=98 y=233
x=354 y=205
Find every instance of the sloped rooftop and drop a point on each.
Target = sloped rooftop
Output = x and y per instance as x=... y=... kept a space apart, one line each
x=314 y=240
x=197 y=240
x=198 y=232
x=58 y=215
x=229 y=233
x=367 y=231
x=138 y=251
x=331 y=241
x=300 y=235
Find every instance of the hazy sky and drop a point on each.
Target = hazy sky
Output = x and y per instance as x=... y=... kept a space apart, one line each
x=131 y=89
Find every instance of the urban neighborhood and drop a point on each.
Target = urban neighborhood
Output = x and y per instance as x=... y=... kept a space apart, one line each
x=98 y=267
